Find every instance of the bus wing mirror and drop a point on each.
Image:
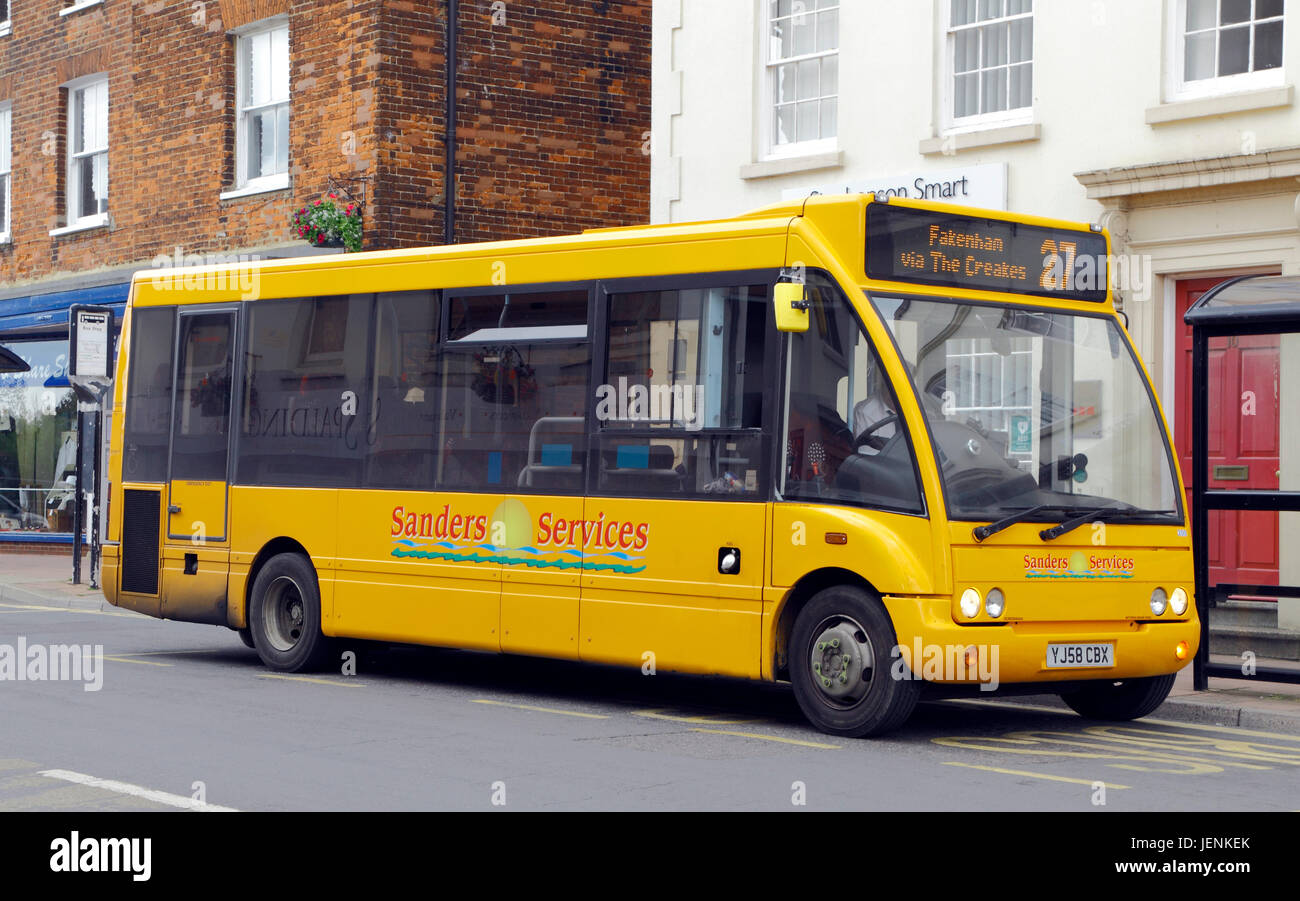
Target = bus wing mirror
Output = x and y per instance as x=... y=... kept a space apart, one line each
x=791 y=307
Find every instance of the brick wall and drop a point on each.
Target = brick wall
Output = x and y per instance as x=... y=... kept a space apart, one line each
x=552 y=108
x=553 y=103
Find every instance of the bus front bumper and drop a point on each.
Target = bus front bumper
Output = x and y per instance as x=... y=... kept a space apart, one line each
x=936 y=649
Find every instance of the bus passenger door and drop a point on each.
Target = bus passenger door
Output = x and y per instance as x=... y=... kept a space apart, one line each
x=674 y=532
x=196 y=551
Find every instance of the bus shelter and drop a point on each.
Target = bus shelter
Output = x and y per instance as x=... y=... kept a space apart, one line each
x=1245 y=480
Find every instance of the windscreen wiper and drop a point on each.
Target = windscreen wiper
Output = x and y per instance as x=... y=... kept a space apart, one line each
x=1097 y=514
x=982 y=532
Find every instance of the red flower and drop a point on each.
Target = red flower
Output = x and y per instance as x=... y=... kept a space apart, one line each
x=320 y=239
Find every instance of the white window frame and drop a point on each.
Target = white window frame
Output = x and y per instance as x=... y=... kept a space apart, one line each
x=78 y=5
x=72 y=192
x=6 y=170
x=6 y=24
x=952 y=125
x=770 y=149
x=1178 y=89
x=280 y=180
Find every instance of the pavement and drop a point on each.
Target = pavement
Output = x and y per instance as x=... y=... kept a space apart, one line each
x=46 y=580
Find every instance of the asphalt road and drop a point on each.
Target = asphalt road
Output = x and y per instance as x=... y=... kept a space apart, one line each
x=187 y=716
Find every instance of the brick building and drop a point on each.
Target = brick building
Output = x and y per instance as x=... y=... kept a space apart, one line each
x=130 y=129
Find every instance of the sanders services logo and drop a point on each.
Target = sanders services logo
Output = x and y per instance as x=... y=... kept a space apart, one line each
x=510 y=537
x=1078 y=566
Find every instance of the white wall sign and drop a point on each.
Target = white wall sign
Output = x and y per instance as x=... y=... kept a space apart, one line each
x=978 y=186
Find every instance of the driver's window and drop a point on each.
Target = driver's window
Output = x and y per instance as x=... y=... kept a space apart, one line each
x=864 y=402
x=845 y=439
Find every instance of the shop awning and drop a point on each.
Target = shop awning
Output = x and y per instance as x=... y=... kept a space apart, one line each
x=34 y=314
x=11 y=362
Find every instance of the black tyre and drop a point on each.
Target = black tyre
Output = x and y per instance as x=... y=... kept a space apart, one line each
x=1128 y=699
x=284 y=616
x=246 y=636
x=840 y=658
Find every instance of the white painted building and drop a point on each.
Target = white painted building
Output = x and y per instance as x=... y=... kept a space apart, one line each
x=751 y=106
x=1172 y=122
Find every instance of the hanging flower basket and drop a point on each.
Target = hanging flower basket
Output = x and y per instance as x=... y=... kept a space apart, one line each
x=330 y=222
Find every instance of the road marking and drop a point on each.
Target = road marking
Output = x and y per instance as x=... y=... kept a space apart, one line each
x=169 y=653
x=784 y=741
x=1151 y=750
x=126 y=788
x=41 y=608
x=139 y=662
x=706 y=719
x=1233 y=730
x=310 y=679
x=993 y=769
x=590 y=716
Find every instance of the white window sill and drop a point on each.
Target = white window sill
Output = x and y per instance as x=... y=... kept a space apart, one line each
x=1222 y=105
x=6 y=239
x=261 y=186
x=5 y=29
x=69 y=10
x=81 y=225
x=787 y=165
x=947 y=145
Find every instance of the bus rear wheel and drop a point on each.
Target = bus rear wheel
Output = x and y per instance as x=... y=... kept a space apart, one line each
x=1128 y=699
x=284 y=617
x=840 y=655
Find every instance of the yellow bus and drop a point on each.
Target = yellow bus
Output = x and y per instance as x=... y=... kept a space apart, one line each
x=864 y=445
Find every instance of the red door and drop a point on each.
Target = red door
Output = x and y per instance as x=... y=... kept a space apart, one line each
x=1243 y=452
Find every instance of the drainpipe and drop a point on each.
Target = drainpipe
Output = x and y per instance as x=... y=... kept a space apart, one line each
x=449 y=176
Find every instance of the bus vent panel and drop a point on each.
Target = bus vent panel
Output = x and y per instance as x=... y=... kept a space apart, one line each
x=140 y=526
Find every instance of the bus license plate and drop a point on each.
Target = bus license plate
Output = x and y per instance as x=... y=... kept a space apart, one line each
x=1071 y=655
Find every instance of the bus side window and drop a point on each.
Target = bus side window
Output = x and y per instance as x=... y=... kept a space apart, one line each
x=304 y=415
x=513 y=385
x=404 y=403
x=680 y=408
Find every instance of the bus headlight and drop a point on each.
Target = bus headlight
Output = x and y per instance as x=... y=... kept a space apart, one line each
x=970 y=603
x=1158 y=601
x=995 y=603
x=1178 y=602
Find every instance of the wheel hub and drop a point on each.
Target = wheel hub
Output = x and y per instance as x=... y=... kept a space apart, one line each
x=285 y=614
x=839 y=660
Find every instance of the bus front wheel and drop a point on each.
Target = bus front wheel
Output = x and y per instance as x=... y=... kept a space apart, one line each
x=840 y=657
x=284 y=616
x=1125 y=700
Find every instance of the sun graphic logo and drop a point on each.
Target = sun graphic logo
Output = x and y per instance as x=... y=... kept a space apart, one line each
x=511 y=525
x=1079 y=564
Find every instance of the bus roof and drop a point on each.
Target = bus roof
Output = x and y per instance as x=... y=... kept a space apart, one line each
x=753 y=240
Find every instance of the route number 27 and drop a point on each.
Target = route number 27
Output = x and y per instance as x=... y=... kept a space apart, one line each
x=1058 y=265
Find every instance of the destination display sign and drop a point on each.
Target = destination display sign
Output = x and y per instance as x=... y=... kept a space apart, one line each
x=954 y=251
